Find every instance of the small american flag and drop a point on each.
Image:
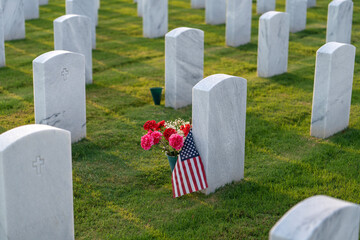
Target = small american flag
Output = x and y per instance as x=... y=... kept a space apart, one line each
x=188 y=175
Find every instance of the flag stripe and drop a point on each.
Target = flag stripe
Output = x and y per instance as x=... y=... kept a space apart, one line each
x=196 y=174
x=201 y=175
x=187 y=177
x=183 y=179
x=179 y=180
x=203 y=172
x=195 y=185
x=191 y=181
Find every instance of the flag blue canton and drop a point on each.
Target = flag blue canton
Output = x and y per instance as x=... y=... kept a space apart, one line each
x=189 y=150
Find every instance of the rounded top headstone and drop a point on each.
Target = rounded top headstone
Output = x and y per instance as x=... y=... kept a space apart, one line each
x=70 y=16
x=332 y=47
x=210 y=82
x=12 y=136
x=271 y=14
x=339 y=2
x=50 y=55
x=178 y=31
x=313 y=217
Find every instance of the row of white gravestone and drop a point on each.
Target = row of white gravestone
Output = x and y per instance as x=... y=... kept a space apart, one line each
x=60 y=76
x=46 y=150
x=216 y=12
x=12 y=20
x=15 y=14
x=184 y=53
x=214 y=98
x=274 y=27
x=238 y=18
x=36 y=192
x=155 y=17
x=72 y=37
x=263 y=6
x=63 y=74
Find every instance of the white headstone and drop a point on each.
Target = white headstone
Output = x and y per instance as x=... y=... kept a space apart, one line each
x=155 y=18
x=334 y=75
x=87 y=8
x=73 y=33
x=61 y=75
x=273 y=44
x=43 y=2
x=184 y=65
x=263 y=6
x=31 y=9
x=238 y=22
x=36 y=195
x=319 y=218
x=297 y=10
x=339 y=24
x=220 y=100
x=198 y=3
x=14 y=19
x=140 y=8
x=311 y=3
x=97 y=3
x=215 y=12
x=2 y=45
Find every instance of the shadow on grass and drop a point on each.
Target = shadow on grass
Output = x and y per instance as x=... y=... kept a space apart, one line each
x=293 y=79
x=308 y=162
x=317 y=33
x=14 y=79
x=355 y=97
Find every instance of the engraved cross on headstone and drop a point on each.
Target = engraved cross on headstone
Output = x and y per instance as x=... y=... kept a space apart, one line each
x=37 y=163
x=65 y=73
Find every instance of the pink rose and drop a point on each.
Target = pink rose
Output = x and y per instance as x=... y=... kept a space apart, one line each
x=176 y=141
x=147 y=141
x=156 y=136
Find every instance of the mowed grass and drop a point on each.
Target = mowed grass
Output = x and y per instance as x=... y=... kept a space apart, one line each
x=124 y=192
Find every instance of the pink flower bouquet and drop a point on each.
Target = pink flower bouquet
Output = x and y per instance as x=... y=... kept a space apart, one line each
x=169 y=136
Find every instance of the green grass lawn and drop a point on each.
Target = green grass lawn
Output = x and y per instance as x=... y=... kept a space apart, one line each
x=124 y=192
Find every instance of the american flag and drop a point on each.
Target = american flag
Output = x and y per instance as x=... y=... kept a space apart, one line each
x=188 y=175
